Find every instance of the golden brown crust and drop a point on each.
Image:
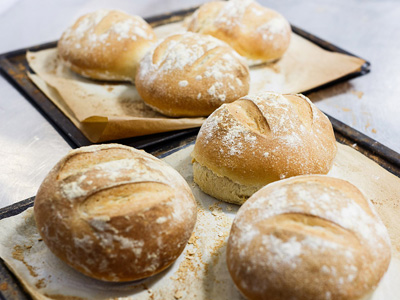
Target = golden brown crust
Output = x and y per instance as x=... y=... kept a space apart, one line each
x=309 y=237
x=115 y=213
x=191 y=75
x=254 y=31
x=106 y=45
x=262 y=138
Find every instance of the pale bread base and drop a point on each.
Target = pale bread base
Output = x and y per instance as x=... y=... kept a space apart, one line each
x=222 y=187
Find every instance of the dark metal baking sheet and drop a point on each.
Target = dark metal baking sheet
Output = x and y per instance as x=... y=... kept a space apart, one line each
x=14 y=67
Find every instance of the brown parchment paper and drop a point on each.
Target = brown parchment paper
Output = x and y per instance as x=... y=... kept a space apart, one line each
x=106 y=111
x=200 y=272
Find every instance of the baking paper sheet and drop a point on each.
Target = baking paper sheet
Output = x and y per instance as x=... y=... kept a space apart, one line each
x=106 y=111
x=201 y=271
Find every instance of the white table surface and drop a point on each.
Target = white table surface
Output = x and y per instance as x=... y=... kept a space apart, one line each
x=30 y=146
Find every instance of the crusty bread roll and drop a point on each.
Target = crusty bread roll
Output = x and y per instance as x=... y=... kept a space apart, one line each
x=106 y=45
x=256 y=32
x=258 y=139
x=191 y=75
x=305 y=238
x=115 y=213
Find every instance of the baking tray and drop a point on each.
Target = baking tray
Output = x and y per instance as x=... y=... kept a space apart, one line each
x=14 y=67
x=11 y=289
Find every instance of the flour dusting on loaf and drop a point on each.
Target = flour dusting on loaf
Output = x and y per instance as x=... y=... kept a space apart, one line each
x=256 y=32
x=191 y=75
x=129 y=28
x=115 y=213
x=263 y=138
x=106 y=45
x=312 y=237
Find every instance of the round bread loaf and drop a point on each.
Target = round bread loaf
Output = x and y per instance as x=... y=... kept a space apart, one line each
x=191 y=75
x=106 y=45
x=256 y=32
x=115 y=213
x=259 y=139
x=307 y=237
